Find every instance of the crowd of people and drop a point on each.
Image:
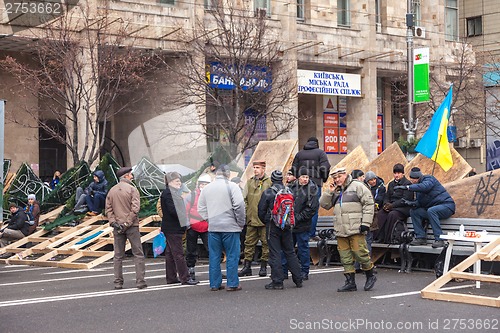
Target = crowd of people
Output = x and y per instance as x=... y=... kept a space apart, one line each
x=231 y=220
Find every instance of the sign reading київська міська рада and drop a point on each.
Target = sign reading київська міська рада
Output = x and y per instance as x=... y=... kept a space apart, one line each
x=328 y=83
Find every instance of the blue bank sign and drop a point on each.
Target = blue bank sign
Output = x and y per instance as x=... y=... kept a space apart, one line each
x=328 y=83
x=250 y=77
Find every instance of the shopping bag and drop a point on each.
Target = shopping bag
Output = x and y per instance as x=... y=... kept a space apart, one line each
x=159 y=244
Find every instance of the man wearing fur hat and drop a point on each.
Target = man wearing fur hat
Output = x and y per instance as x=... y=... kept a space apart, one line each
x=432 y=202
x=316 y=162
x=17 y=226
x=393 y=207
x=256 y=230
x=122 y=209
x=353 y=207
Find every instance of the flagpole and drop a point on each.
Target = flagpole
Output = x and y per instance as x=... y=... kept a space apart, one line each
x=437 y=153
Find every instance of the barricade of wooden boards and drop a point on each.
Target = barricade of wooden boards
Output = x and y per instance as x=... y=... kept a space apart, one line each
x=83 y=246
x=490 y=252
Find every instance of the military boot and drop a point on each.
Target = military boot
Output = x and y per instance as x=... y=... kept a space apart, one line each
x=350 y=283
x=263 y=268
x=247 y=269
x=192 y=273
x=370 y=279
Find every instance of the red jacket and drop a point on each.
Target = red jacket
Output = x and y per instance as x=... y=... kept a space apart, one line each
x=197 y=223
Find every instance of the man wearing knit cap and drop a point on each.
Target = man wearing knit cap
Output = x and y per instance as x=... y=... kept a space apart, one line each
x=279 y=239
x=393 y=208
x=377 y=188
x=353 y=207
x=122 y=209
x=255 y=230
x=315 y=160
x=306 y=204
x=432 y=202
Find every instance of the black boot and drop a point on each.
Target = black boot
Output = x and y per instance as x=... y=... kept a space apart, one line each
x=370 y=280
x=263 y=268
x=350 y=283
x=246 y=270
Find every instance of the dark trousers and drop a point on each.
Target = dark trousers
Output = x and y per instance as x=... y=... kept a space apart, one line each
x=386 y=221
x=278 y=241
x=96 y=203
x=174 y=259
x=192 y=245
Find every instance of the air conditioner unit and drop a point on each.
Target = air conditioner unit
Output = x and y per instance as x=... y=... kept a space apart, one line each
x=460 y=143
x=261 y=12
x=475 y=143
x=419 y=32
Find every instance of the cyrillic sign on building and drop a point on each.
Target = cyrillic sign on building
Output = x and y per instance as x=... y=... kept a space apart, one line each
x=328 y=83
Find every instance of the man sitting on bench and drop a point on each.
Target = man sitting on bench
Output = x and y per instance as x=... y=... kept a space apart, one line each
x=432 y=202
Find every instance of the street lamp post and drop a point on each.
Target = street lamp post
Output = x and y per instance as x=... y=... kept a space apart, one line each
x=411 y=125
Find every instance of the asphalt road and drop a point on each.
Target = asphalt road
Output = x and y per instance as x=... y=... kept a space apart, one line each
x=52 y=300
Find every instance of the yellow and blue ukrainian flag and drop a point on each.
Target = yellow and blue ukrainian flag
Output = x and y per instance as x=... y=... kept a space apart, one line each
x=434 y=144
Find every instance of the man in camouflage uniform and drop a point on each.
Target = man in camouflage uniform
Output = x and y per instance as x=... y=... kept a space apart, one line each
x=256 y=230
x=353 y=207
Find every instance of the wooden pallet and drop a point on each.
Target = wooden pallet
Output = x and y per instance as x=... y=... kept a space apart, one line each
x=81 y=247
x=490 y=252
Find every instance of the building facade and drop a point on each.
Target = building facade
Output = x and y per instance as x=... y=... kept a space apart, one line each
x=352 y=55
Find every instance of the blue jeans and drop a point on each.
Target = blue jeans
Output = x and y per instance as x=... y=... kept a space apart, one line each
x=315 y=217
x=96 y=203
x=301 y=239
x=433 y=214
x=229 y=242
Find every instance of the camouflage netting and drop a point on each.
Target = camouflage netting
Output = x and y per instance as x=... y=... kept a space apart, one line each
x=149 y=179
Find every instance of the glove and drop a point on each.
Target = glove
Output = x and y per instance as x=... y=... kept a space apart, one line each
x=91 y=193
x=388 y=207
x=364 y=228
x=401 y=187
x=120 y=228
x=409 y=203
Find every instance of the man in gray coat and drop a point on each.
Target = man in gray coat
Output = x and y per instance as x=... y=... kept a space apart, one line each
x=221 y=203
x=122 y=209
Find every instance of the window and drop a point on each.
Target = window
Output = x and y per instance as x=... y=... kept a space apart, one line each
x=343 y=13
x=451 y=20
x=378 y=18
x=300 y=9
x=474 y=26
x=168 y=2
x=416 y=10
x=262 y=7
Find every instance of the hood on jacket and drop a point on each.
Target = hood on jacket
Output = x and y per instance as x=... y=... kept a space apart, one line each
x=311 y=145
x=100 y=175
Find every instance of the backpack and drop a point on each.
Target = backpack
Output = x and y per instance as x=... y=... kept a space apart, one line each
x=282 y=213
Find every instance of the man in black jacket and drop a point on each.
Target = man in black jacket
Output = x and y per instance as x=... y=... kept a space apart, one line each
x=393 y=208
x=316 y=162
x=18 y=226
x=306 y=205
x=278 y=239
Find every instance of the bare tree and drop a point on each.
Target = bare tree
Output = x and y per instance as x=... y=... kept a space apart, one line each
x=235 y=72
x=82 y=63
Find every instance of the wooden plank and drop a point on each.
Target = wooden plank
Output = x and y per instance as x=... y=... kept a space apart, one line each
x=475 y=197
x=384 y=163
x=277 y=155
x=8 y=181
x=462 y=298
x=475 y=277
x=459 y=170
x=50 y=215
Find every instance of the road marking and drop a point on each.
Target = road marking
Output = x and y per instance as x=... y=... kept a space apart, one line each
x=418 y=292
x=132 y=290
